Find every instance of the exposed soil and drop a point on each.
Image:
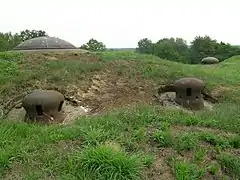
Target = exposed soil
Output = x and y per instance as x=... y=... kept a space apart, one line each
x=73 y=112
x=181 y=129
x=78 y=55
x=160 y=167
x=89 y=57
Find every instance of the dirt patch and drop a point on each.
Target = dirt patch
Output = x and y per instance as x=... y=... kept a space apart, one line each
x=16 y=114
x=178 y=129
x=73 y=112
x=190 y=156
x=219 y=91
x=35 y=51
x=107 y=91
x=87 y=57
x=45 y=56
x=15 y=172
x=160 y=169
x=235 y=152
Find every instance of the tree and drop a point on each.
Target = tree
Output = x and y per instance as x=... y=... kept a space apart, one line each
x=145 y=45
x=29 y=34
x=226 y=50
x=172 y=49
x=202 y=47
x=94 y=45
x=8 y=41
x=176 y=49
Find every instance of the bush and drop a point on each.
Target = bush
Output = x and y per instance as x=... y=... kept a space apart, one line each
x=145 y=45
x=94 y=45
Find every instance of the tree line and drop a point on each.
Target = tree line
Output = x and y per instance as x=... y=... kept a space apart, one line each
x=9 y=40
x=175 y=49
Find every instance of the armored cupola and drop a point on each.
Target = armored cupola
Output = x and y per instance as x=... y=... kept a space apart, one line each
x=188 y=93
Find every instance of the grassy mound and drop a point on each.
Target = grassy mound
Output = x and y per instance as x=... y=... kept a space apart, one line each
x=131 y=137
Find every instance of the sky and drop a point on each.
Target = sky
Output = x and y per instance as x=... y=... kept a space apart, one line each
x=121 y=24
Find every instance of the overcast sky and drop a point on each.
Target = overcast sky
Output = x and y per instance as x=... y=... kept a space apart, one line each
x=123 y=23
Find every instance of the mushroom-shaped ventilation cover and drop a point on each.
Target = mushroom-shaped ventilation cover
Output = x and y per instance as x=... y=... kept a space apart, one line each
x=188 y=93
x=46 y=104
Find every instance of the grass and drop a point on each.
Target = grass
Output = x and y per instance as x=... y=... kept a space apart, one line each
x=231 y=164
x=140 y=142
x=186 y=170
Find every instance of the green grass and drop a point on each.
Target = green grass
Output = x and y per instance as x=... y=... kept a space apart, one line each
x=105 y=163
x=185 y=170
x=126 y=143
x=230 y=164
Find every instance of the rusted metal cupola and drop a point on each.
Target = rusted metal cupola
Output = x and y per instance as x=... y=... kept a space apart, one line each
x=44 y=106
x=188 y=93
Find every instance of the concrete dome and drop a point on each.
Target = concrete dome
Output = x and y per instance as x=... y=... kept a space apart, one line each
x=210 y=60
x=45 y=42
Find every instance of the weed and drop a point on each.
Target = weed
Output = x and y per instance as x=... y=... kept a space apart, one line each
x=230 y=164
x=214 y=140
x=186 y=141
x=139 y=134
x=235 y=142
x=187 y=171
x=8 y=70
x=148 y=159
x=199 y=155
x=93 y=136
x=11 y=56
x=214 y=168
x=163 y=138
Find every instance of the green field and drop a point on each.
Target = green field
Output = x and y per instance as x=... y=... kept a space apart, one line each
x=129 y=135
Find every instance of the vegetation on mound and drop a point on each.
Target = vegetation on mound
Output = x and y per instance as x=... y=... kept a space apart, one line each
x=143 y=142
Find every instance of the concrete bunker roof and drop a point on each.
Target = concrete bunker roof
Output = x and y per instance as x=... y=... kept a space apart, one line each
x=210 y=59
x=45 y=42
